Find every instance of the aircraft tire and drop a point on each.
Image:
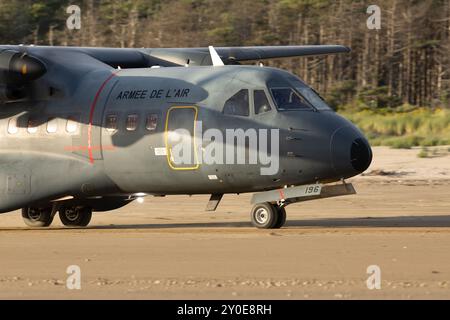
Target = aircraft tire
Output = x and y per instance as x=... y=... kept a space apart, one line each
x=75 y=216
x=37 y=217
x=281 y=220
x=264 y=216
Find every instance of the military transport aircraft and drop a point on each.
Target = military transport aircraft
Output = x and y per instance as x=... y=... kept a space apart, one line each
x=92 y=129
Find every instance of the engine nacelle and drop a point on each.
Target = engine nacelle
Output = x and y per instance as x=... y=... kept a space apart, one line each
x=18 y=68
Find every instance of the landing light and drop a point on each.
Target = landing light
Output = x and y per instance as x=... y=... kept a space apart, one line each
x=140 y=200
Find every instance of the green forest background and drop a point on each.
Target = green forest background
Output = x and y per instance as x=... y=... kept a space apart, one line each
x=395 y=84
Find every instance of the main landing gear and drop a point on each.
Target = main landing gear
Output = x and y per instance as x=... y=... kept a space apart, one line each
x=71 y=216
x=37 y=217
x=75 y=216
x=268 y=216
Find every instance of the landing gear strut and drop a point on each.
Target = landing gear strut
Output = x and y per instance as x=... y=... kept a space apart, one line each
x=77 y=216
x=268 y=216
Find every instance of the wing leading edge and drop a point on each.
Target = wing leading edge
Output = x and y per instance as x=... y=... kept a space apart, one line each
x=169 y=57
x=230 y=55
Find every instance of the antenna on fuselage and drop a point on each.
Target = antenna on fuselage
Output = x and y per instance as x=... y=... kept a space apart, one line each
x=215 y=58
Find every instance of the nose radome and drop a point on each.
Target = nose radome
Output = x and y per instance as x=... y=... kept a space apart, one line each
x=360 y=154
x=350 y=152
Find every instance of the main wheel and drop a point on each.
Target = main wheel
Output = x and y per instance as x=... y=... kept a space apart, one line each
x=281 y=220
x=37 y=217
x=264 y=215
x=75 y=216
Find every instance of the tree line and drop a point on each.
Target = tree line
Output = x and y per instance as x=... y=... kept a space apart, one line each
x=404 y=62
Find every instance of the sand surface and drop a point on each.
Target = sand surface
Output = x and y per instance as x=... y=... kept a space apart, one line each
x=169 y=248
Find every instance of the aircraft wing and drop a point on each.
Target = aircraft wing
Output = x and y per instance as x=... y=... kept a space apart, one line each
x=165 y=57
x=230 y=55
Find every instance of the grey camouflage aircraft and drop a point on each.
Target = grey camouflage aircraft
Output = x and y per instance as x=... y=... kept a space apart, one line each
x=85 y=130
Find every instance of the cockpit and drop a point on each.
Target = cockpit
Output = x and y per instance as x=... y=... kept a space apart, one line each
x=281 y=92
x=291 y=94
x=299 y=98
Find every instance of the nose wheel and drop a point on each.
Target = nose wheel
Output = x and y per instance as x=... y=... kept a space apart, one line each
x=268 y=216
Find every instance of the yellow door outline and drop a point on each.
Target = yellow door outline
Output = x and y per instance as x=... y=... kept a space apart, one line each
x=166 y=138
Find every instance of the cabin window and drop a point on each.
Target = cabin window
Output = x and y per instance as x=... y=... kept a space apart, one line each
x=238 y=105
x=12 y=126
x=72 y=125
x=289 y=99
x=152 y=122
x=132 y=122
x=32 y=126
x=52 y=125
x=261 y=102
x=111 y=123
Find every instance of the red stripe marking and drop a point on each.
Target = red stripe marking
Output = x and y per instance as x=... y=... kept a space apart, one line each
x=85 y=148
x=282 y=197
x=91 y=115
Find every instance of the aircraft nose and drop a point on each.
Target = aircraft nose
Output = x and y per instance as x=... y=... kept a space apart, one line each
x=351 y=153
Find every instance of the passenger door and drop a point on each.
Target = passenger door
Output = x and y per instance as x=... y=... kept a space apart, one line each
x=179 y=138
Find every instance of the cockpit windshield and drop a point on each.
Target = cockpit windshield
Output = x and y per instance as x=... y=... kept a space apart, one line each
x=313 y=98
x=290 y=93
x=289 y=99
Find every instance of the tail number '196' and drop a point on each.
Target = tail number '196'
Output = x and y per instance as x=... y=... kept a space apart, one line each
x=313 y=190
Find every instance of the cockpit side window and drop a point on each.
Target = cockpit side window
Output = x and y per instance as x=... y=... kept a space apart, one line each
x=289 y=99
x=261 y=102
x=238 y=105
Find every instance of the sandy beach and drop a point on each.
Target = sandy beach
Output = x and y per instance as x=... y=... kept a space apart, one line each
x=170 y=248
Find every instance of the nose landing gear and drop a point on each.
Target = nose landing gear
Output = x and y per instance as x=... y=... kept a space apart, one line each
x=269 y=211
x=268 y=216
